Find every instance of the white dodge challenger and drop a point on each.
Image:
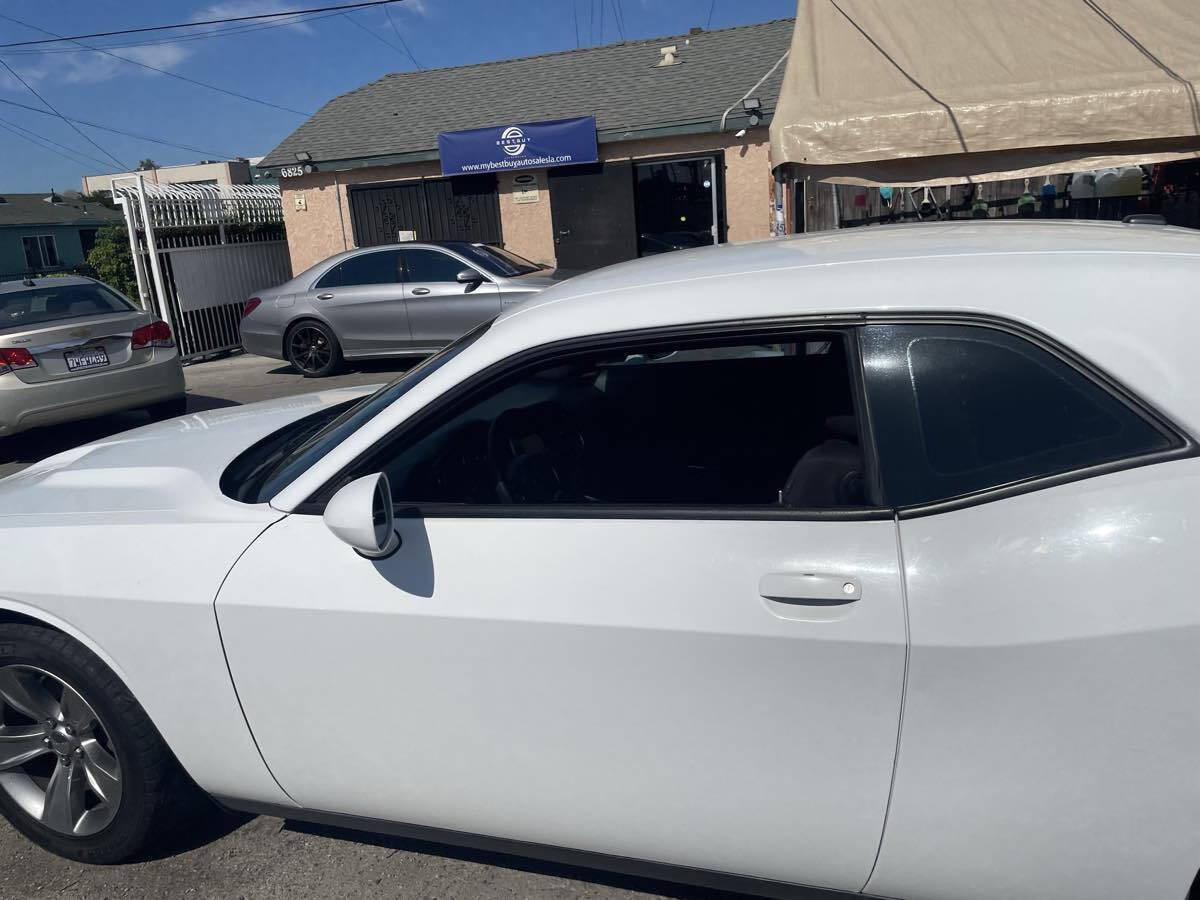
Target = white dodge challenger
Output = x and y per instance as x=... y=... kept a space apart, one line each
x=861 y=563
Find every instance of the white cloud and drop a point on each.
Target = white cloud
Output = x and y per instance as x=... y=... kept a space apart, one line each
x=235 y=9
x=87 y=67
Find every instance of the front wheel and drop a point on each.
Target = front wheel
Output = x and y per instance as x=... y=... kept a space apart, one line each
x=83 y=771
x=312 y=349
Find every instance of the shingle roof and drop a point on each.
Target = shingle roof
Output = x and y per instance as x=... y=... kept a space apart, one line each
x=617 y=83
x=33 y=209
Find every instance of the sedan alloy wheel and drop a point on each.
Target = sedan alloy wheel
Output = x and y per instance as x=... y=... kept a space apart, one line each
x=57 y=761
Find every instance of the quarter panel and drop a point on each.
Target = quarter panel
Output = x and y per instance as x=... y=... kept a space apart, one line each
x=1051 y=723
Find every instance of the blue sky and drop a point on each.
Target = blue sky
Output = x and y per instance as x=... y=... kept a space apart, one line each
x=297 y=65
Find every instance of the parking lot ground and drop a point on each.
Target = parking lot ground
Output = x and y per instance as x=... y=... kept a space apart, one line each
x=238 y=858
x=230 y=857
x=235 y=379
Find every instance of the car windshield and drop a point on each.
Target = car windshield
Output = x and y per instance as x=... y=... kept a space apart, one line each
x=309 y=447
x=49 y=302
x=496 y=260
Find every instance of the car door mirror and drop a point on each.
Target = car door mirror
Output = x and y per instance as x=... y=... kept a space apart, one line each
x=468 y=276
x=360 y=514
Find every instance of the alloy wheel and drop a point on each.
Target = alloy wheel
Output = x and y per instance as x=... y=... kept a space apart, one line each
x=309 y=349
x=57 y=761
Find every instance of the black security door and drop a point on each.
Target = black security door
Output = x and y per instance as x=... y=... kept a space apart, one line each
x=466 y=208
x=593 y=215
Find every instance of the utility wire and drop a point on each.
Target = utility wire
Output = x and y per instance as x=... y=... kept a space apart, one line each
x=158 y=42
x=132 y=134
x=48 y=106
x=617 y=19
x=275 y=15
x=369 y=31
x=176 y=75
x=37 y=140
x=400 y=37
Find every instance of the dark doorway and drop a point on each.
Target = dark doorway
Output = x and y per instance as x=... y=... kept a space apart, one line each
x=678 y=204
x=87 y=240
x=593 y=216
x=466 y=208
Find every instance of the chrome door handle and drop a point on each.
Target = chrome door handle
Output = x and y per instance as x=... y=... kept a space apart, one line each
x=808 y=587
x=421 y=292
x=324 y=296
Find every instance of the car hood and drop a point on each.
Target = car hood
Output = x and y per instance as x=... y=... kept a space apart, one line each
x=540 y=280
x=172 y=465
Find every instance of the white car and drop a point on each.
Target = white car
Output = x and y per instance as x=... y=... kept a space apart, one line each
x=864 y=561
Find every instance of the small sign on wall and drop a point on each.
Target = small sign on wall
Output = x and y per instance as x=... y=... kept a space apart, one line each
x=402 y=236
x=301 y=203
x=525 y=189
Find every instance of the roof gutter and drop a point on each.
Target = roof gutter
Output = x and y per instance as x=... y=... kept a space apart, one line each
x=606 y=136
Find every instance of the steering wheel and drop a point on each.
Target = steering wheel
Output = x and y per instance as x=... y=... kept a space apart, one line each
x=535 y=452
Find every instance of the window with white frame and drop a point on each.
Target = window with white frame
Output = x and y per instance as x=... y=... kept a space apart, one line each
x=40 y=251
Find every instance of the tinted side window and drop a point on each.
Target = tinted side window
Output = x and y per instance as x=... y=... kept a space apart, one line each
x=431 y=265
x=712 y=424
x=380 y=267
x=959 y=409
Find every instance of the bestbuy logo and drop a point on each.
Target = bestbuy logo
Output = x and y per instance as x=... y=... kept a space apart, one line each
x=512 y=141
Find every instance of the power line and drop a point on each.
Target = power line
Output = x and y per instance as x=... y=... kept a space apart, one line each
x=37 y=140
x=140 y=137
x=617 y=19
x=400 y=37
x=275 y=15
x=377 y=37
x=48 y=106
x=158 y=42
x=176 y=75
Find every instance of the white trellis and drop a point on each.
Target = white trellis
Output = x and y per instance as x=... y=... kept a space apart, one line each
x=199 y=251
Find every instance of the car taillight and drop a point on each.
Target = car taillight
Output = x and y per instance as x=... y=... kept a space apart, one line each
x=251 y=305
x=15 y=358
x=156 y=334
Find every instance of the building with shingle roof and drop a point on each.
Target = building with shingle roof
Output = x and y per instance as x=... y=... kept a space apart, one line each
x=679 y=159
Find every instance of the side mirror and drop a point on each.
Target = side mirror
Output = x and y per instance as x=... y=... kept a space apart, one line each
x=360 y=514
x=468 y=276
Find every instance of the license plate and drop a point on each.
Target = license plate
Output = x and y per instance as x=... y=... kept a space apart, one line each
x=86 y=358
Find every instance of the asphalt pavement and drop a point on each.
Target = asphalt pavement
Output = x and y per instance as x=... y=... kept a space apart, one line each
x=225 y=856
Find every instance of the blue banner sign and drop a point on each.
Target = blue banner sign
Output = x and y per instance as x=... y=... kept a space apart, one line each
x=527 y=145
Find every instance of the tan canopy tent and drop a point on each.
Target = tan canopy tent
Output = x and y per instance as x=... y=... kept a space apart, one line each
x=927 y=92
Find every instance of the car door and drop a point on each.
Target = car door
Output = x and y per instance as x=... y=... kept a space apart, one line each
x=440 y=308
x=362 y=297
x=629 y=615
x=1047 y=527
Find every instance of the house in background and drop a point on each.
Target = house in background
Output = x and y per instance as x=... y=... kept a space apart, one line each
x=42 y=233
x=213 y=172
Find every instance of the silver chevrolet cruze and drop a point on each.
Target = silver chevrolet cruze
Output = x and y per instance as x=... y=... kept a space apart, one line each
x=73 y=348
x=393 y=300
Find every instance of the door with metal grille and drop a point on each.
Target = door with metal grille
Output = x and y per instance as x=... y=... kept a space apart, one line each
x=465 y=208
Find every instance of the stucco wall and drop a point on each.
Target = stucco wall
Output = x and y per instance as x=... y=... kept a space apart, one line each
x=318 y=231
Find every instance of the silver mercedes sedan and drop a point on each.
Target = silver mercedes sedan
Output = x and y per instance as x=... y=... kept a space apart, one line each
x=73 y=348
x=406 y=299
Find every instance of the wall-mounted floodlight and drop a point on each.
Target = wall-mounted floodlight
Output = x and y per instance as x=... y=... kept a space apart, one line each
x=303 y=156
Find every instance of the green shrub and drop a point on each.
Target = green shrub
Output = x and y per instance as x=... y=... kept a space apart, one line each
x=113 y=262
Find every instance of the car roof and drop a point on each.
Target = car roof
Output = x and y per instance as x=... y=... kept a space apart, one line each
x=19 y=284
x=990 y=247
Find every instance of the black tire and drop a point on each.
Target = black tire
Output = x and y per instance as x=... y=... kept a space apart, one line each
x=312 y=348
x=154 y=787
x=168 y=409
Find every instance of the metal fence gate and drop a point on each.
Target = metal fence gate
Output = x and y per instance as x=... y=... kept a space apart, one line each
x=199 y=251
x=463 y=208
